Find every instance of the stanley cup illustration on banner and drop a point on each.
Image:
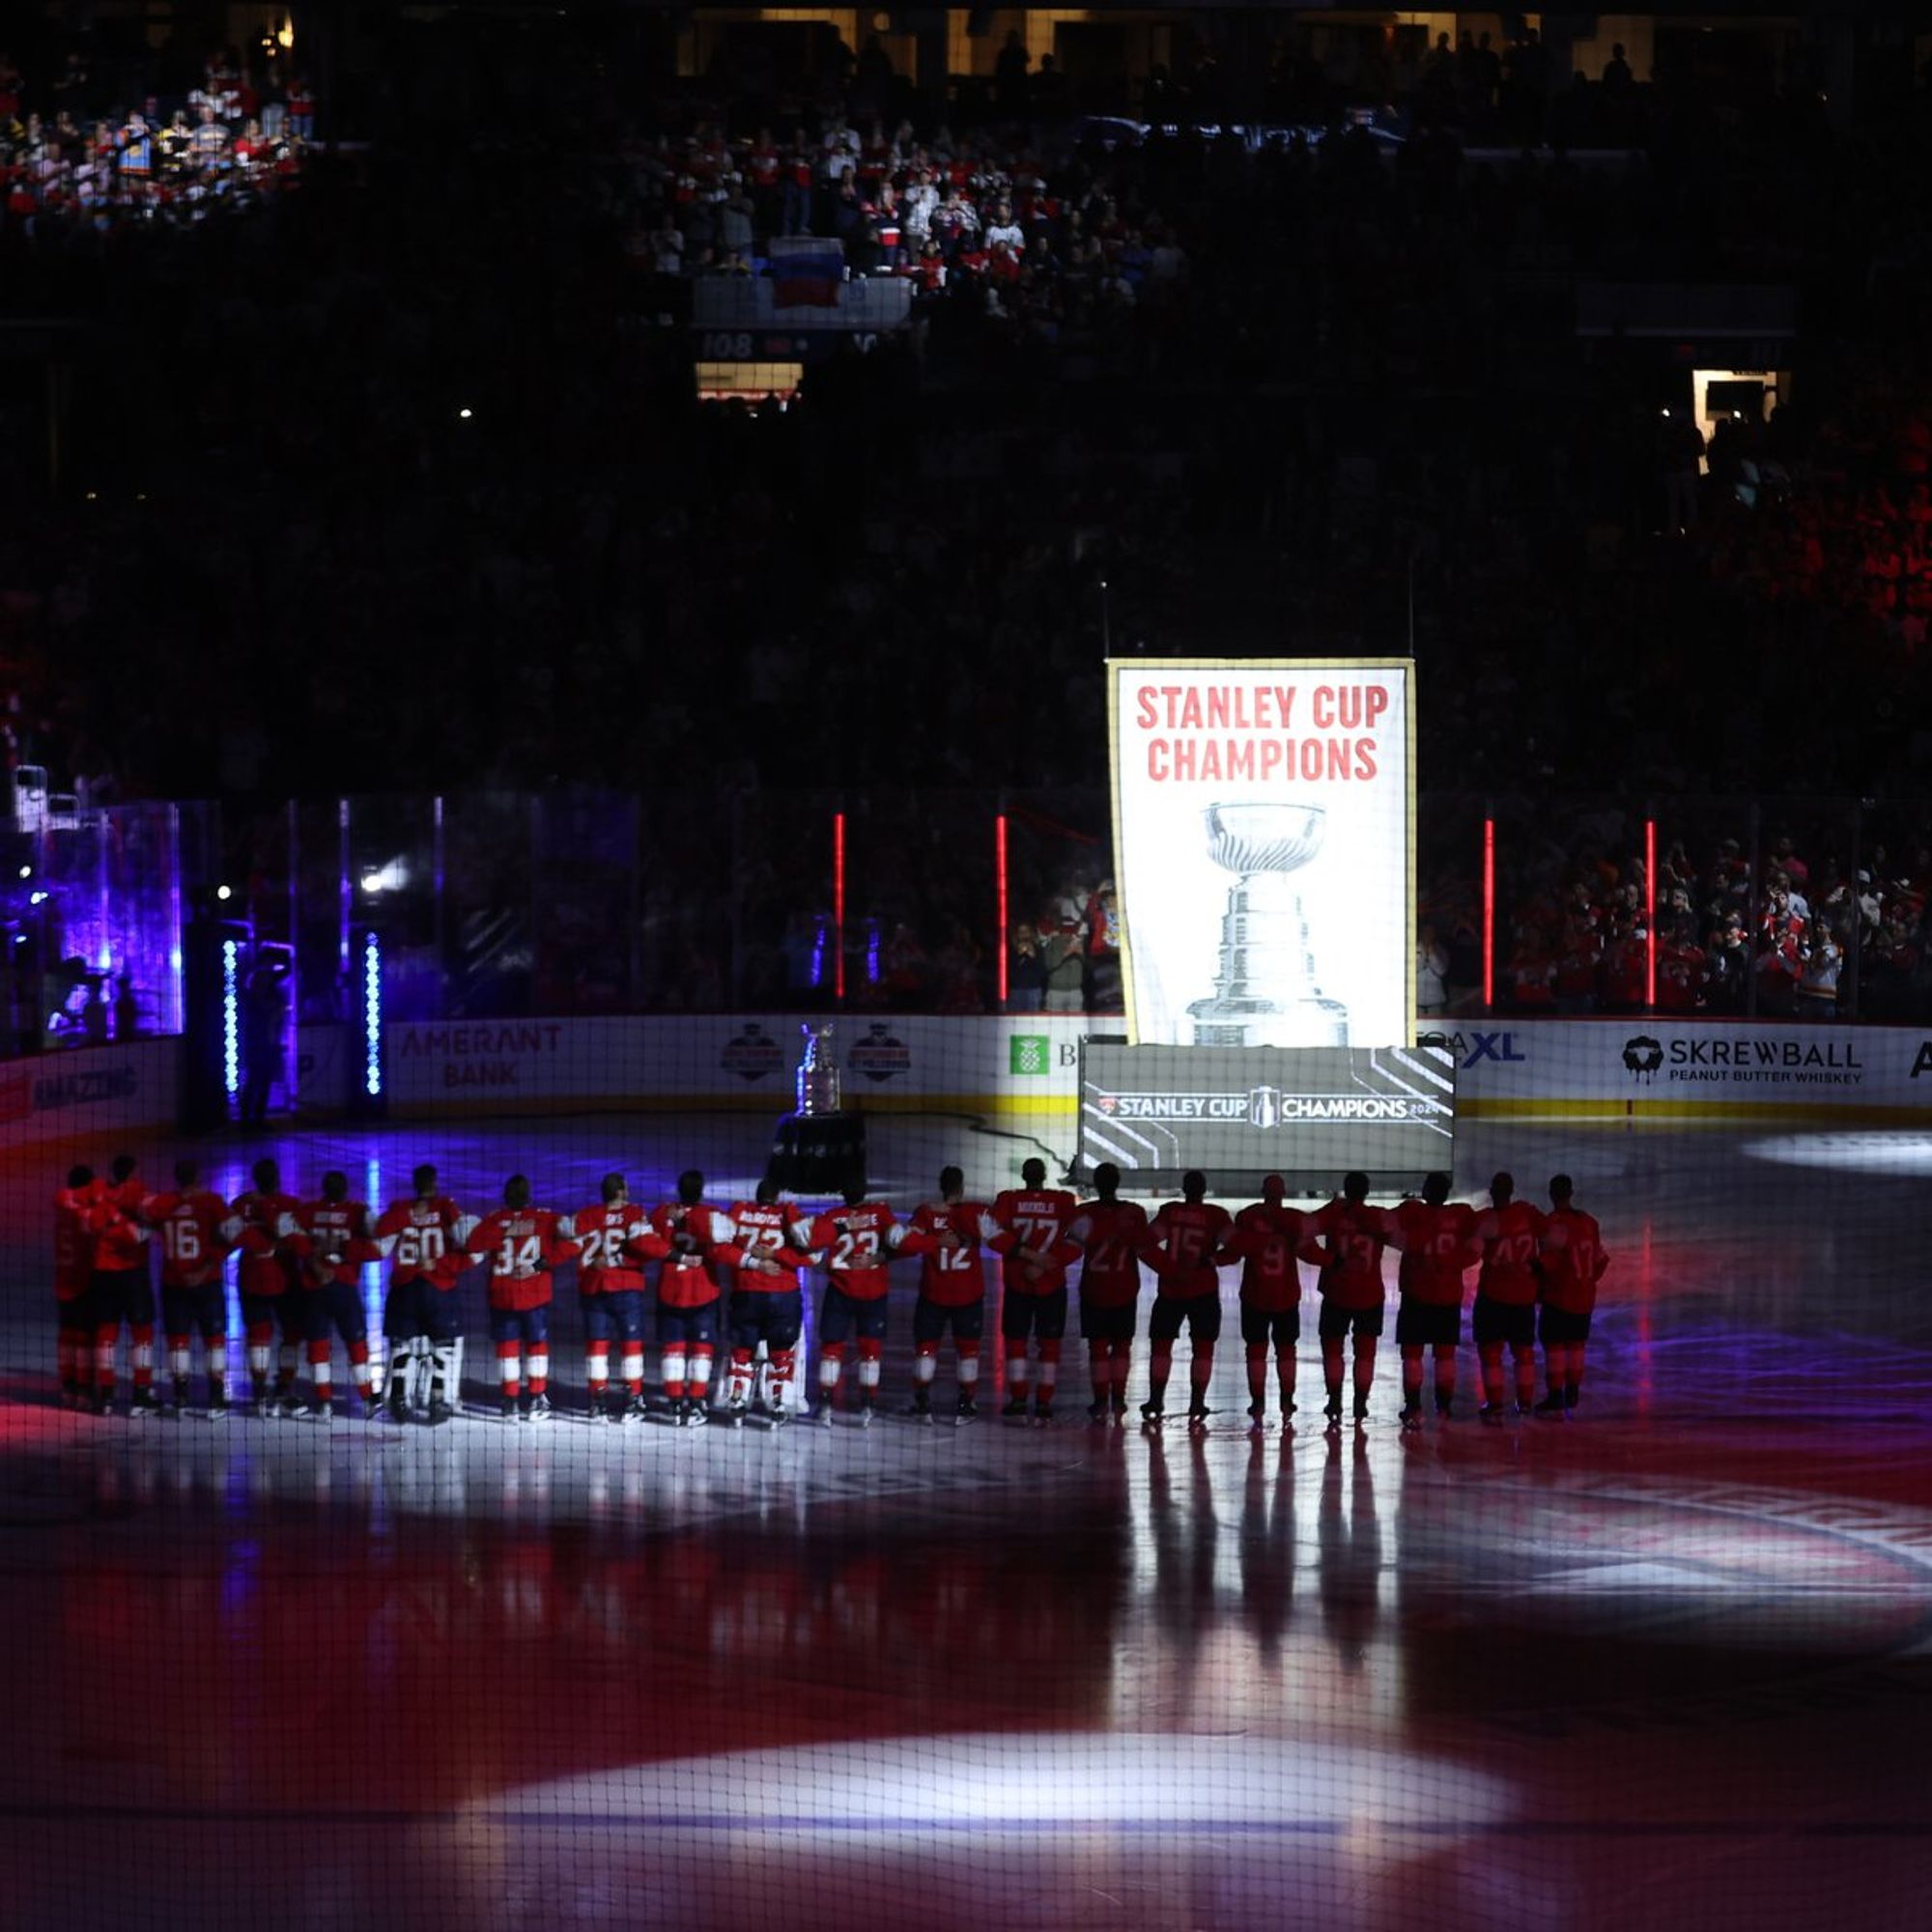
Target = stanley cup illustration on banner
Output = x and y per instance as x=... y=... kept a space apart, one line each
x=1264 y=991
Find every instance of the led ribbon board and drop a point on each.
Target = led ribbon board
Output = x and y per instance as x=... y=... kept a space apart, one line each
x=1308 y=1114
x=1264 y=849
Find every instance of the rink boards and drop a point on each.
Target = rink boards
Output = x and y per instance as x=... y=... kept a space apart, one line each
x=994 y=1065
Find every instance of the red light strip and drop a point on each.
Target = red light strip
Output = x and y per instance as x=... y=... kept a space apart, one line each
x=1000 y=893
x=1650 y=911
x=839 y=907
x=1488 y=914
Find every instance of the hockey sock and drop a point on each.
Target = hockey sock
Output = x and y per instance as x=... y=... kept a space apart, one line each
x=597 y=1370
x=1124 y=1362
x=830 y=1363
x=969 y=1366
x=924 y=1364
x=1411 y=1376
x=104 y=1339
x=784 y=1365
x=509 y=1368
x=216 y=1351
x=672 y=1371
x=1573 y=1387
x=1492 y=1355
x=738 y=1383
x=1331 y=1366
x=285 y=1366
x=143 y=1353
x=1284 y=1375
x=179 y=1359
x=1160 y=1365
x=1445 y=1372
x=1365 y=1363
x=261 y=1345
x=633 y=1367
x=1049 y=1373
x=870 y=1349
x=539 y=1368
x=321 y=1371
x=1100 y=1369
x=1016 y=1368
x=1258 y=1372
x=1201 y=1371
x=361 y=1368
x=1525 y=1374
x=697 y=1373
x=1555 y=1367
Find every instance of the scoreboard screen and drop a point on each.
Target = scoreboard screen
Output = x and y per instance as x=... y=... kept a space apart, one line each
x=1309 y=1114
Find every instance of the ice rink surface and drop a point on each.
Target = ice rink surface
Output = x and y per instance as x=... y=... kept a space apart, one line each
x=1667 y=1665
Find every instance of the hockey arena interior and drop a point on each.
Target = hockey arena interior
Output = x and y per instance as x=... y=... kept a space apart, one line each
x=964 y=967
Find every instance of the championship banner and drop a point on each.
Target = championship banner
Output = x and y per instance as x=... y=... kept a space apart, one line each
x=1264 y=849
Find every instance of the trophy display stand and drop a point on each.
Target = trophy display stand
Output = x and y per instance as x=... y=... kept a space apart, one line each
x=819 y=1149
x=1266 y=992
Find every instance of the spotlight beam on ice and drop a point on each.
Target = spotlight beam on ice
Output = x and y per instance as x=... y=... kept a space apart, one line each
x=1063 y=1781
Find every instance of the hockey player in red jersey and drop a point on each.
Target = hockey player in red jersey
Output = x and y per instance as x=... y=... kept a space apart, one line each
x=858 y=1241
x=768 y=1249
x=1570 y=1252
x=1027 y=1228
x=1267 y=1239
x=1109 y=1232
x=689 y=1294
x=73 y=1268
x=422 y=1318
x=945 y=1235
x=334 y=1237
x=1506 y=1235
x=1346 y=1238
x=1185 y=1246
x=196 y=1230
x=524 y=1245
x=270 y=1298
x=122 y=1289
x=1436 y=1236
x=614 y=1240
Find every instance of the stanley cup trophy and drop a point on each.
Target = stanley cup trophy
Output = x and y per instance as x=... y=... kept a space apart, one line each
x=1266 y=992
x=818 y=1148
x=817 y=1072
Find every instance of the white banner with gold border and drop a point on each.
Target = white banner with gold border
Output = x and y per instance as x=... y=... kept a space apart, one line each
x=1264 y=849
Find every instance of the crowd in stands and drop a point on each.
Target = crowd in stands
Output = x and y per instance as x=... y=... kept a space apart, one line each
x=408 y=465
x=80 y=159
x=1782 y=938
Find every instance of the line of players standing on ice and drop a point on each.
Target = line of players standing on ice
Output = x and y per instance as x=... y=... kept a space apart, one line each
x=729 y=1281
